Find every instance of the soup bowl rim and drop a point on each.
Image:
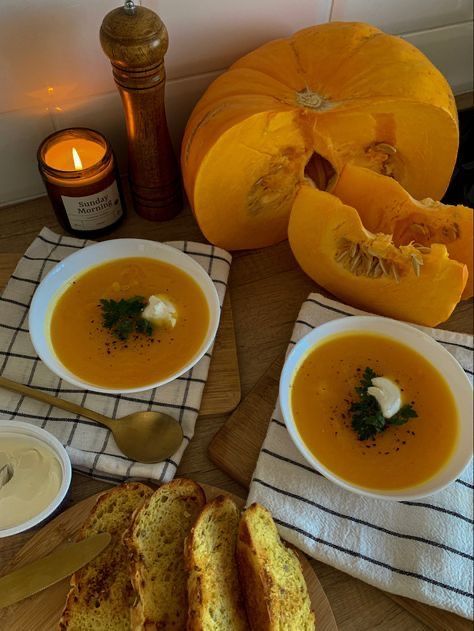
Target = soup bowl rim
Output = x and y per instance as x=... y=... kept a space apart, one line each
x=53 y=285
x=420 y=341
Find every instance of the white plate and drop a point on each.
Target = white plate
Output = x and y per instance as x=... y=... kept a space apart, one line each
x=426 y=346
x=59 y=278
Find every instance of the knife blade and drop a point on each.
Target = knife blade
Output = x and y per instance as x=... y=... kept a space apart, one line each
x=52 y=568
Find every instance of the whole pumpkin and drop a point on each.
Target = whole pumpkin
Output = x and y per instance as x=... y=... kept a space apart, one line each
x=329 y=95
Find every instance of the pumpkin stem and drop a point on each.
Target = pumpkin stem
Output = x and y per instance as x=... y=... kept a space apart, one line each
x=311 y=100
x=321 y=172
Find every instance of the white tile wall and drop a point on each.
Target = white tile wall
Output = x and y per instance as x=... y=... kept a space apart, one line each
x=208 y=35
x=55 y=43
x=403 y=16
x=180 y=97
x=20 y=135
x=54 y=74
x=51 y=43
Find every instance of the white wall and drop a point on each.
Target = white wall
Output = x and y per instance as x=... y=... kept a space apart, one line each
x=53 y=73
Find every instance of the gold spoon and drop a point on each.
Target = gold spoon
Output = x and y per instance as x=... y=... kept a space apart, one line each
x=141 y=436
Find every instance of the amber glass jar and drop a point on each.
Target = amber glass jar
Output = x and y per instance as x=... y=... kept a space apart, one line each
x=79 y=171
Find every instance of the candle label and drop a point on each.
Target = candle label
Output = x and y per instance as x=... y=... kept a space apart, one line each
x=93 y=212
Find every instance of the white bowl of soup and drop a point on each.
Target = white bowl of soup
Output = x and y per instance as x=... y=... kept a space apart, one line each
x=409 y=437
x=87 y=316
x=35 y=475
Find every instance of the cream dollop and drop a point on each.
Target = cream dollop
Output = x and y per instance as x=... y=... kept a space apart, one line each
x=33 y=481
x=387 y=394
x=160 y=311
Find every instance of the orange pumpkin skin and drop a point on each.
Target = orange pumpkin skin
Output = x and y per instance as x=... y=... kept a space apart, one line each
x=329 y=95
x=384 y=206
x=335 y=250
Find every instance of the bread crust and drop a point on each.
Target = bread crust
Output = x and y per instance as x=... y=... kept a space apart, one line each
x=168 y=609
x=105 y=579
x=214 y=593
x=275 y=600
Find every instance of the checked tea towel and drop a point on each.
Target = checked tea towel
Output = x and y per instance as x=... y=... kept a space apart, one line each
x=90 y=446
x=421 y=549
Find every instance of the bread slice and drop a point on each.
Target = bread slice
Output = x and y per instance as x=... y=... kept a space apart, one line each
x=101 y=594
x=156 y=544
x=214 y=593
x=276 y=596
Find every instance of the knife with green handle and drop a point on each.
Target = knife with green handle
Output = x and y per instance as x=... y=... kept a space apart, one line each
x=44 y=572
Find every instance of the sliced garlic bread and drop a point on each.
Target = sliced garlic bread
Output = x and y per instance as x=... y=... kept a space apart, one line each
x=276 y=596
x=214 y=593
x=156 y=544
x=101 y=594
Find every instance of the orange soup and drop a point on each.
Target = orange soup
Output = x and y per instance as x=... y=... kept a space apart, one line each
x=399 y=457
x=94 y=354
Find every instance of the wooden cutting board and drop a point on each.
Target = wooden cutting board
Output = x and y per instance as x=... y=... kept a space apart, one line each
x=42 y=611
x=222 y=390
x=236 y=446
x=235 y=449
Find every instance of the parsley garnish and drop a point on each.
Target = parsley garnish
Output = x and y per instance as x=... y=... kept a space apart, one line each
x=367 y=417
x=124 y=316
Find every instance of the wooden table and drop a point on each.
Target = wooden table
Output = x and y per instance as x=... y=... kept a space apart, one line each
x=266 y=286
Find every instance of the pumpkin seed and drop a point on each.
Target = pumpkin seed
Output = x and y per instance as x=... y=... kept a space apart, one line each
x=451 y=232
x=361 y=269
x=370 y=262
x=420 y=229
x=423 y=249
x=416 y=266
x=394 y=271
x=384 y=267
x=341 y=255
x=377 y=272
x=355 y=261
x=390 y=149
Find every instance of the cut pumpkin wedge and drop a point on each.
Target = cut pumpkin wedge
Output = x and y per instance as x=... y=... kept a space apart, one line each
x=385 y=206
x=415 y=283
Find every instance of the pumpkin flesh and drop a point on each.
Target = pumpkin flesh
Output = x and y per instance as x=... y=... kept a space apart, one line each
x=384 y=206
x=341 y=91
x=333 y=247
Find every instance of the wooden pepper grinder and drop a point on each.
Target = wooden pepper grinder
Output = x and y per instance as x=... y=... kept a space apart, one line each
x=135 y=40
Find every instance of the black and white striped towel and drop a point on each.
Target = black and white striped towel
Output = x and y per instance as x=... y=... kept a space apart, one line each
x=421 y=549
x=90 y=446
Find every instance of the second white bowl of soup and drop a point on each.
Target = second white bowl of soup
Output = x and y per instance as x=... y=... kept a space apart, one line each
x=87 y=318
x=408 y=438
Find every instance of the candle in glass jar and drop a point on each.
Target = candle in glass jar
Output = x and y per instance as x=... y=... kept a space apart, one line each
x=79 y=171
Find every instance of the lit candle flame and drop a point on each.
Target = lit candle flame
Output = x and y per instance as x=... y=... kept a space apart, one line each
x=76 y=159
